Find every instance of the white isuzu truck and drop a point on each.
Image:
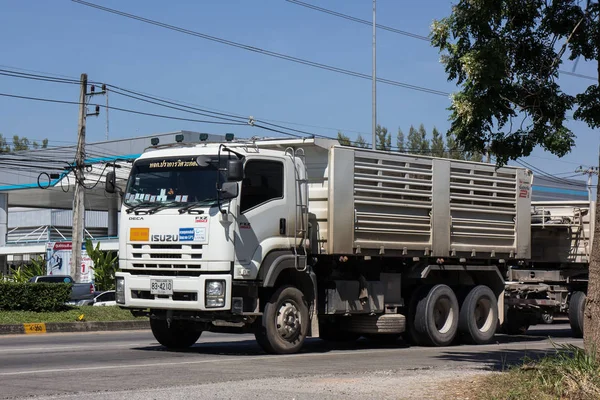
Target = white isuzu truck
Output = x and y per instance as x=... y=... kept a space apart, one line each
x=289 y=239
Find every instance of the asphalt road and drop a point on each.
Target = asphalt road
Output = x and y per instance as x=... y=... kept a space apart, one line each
x=132 y=365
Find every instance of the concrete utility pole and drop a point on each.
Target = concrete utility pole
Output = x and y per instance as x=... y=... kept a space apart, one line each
x=374 y=79
x=78 y=197
x=591 y=171
x=79 y=192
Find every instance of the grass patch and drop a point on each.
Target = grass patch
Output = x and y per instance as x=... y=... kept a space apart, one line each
x=569 y=373
x=90 y=313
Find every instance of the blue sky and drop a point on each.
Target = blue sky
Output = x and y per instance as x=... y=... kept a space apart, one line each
x=66 y=38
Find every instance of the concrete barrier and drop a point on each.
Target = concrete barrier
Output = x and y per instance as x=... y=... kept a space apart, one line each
x=58 y=327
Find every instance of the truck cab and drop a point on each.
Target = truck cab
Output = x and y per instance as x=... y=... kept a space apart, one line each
x=197 y=223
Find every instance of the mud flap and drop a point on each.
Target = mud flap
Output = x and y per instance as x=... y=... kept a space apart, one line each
x=313 y=311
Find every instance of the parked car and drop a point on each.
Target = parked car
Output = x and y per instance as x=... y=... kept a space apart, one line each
x=79 y=291
x=106 y=298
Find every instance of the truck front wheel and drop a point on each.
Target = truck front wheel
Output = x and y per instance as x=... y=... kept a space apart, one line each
x=177 y=335
x=285 y=322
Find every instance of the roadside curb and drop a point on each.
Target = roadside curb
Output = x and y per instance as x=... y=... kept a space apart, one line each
x=61 y=327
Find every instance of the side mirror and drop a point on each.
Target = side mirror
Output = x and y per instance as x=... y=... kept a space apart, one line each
x=229 y=190
x=110 y=185
x=235 y=170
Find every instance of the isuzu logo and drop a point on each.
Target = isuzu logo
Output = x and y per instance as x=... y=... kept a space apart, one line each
x=164 y=238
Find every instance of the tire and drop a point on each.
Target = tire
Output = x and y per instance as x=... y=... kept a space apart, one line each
x=179 y=335
x=547 y=318
x=436 y=317
x=285 y=322
x=576 y=308
x=412 y=336
x=478 y=317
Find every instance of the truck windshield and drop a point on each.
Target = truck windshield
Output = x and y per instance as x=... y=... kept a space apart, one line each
x=177 y=180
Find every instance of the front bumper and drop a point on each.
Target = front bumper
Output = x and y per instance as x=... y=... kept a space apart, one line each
x=188 y=292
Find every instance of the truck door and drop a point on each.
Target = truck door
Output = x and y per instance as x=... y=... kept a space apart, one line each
x=262 y=206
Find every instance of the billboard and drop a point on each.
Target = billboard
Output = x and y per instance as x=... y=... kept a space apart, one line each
x=58 y=255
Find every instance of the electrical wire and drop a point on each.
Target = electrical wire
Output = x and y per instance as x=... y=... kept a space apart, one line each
x=547 y=175
x=362 y=21
x=184 y=105
x=400 y=32
x=119 y=109
x=262 y=51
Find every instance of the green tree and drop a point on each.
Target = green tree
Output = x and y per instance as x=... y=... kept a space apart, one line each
x=105 y=266
x=437 y=144
x=384 y=139
x=400 y=141
x=20 y=144
x=424 y=145
x=45 y=144
x=414 y=141
x=505 y=56
x=453 y=150
x=361 y=142
x=4 y=146
x=343 y=139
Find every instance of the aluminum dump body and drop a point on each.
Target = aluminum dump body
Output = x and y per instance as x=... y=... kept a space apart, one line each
x=387 y=203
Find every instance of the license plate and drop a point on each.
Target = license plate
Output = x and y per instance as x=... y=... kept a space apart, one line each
x=161 y=286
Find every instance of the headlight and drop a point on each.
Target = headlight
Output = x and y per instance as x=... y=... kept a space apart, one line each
x=120 y=290
x=215 y=294
x=214 y=288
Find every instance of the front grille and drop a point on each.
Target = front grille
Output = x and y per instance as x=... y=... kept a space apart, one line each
x=165 y=266
x=164 y=272
x=157 y=256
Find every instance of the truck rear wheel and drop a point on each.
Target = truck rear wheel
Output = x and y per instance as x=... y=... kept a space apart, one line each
x=478 y=315
x=179 y=335
x=412 y=335
x=576 y=307
x=436 y=316
x=285 y=322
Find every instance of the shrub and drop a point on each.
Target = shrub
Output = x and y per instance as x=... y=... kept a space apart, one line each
x=105 y=266
x=37 y=266
x=34 y=296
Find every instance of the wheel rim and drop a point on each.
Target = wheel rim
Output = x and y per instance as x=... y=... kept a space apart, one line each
x=548 y=318
x=484 y=317
x=288 y=321
x=443 y=315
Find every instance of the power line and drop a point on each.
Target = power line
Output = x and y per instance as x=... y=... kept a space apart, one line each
x=547 y=175
x=263 y=51
x=167 y=100
x=119 y=109
x=398 y=31
x=361 y=21
x=238 y=119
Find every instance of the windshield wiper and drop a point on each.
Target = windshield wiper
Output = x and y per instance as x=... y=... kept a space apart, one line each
x=137 y=206
x=195 y=204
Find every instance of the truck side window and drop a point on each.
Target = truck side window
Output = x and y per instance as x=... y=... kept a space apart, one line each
x=263 y=181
